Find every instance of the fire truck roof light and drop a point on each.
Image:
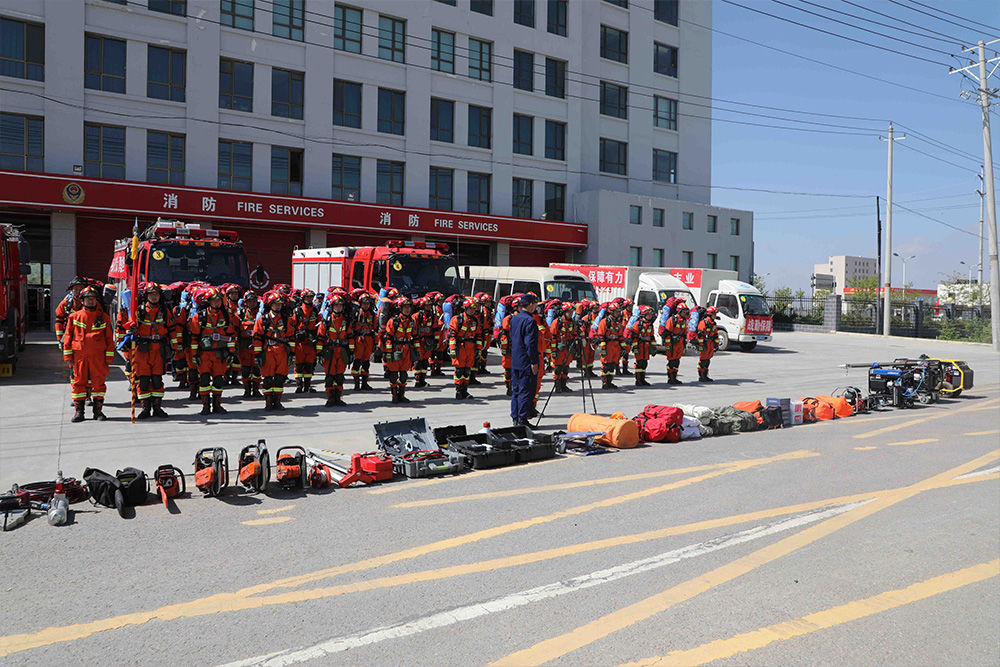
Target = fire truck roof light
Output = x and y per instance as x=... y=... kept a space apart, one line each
x=214 y=233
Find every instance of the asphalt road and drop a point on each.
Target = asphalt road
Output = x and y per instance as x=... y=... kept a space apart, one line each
x=868 y=540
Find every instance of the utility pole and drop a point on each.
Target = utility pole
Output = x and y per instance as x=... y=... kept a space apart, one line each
x=878 y=255
x=886 y=303
x=982 y=204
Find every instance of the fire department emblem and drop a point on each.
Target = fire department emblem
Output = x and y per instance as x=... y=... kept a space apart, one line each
x=73 y=193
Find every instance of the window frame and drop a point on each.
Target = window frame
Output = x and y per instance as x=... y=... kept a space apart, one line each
x=294 y=11
x=659 y=217
x=555 y=192
x=613 y=100
x=484 y=7
x=524 y=70
x=635 y=255
x=687 y=259
x=483 y=51
x=345 y=37
x=711 y=224
x=667 y=11
x=437 y=131
x=173 y=176
x=634 y=214
x=233 y=147
x=522 y=197
x=555 y=78
x=712 y=260
x=734 y=224
x=103 y=79
x=344 y=110
x=169 y=84
x=670 y=67
x=481 y=113
x=31 y=68
x=482 y=199
x=557 y=17
x=658 y=257
x=556 y=148
x=339 y=178
x=289 y=88
x=231 y=92
x=524 y=13
x=391 y=39
x=734 y=263
x=29 y=161
x=392 y=170
x=521 y=145
x=436 y=198
x=621 y=157
x=665 y=119
x=444 y=64
x=620 y=53
x=290 y=186
x=671 y=172
x=234 y=15
x=173 y=7
x=394 y=103
x=101 y=165
x=687 y=220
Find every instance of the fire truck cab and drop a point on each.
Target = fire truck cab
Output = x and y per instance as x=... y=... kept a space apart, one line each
x=13 y=296
x=413 y=267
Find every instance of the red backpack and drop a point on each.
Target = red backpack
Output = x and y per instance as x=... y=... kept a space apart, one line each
x=660 y=423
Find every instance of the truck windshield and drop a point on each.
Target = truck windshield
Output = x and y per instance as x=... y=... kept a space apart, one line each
x=754 y=304
x=680 y=294
x=416 y=275
x=173 y=262
x=569 y=290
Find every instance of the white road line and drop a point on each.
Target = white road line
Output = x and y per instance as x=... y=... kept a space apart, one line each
x=979 y=473
x=507 y=602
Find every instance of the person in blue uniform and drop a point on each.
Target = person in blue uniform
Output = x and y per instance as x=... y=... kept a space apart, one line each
x=524 y=360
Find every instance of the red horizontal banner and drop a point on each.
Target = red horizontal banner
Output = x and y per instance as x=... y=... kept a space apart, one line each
x=150 y=199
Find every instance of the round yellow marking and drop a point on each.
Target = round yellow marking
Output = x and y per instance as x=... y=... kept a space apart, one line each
x=397 y=266
x=157 y=254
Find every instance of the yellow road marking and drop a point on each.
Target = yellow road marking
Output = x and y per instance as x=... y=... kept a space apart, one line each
x=562 y=487
x=242 y=599
x=419 y=484
x=911 y=442
x=828 y=618
x=865 y=449
x=993 y=432
x=277 y=510
x=268 y=521
x=586 y=634
x=920 y=420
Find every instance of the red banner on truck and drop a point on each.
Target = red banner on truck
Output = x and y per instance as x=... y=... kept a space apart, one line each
x=601 y=277
x=690 y=277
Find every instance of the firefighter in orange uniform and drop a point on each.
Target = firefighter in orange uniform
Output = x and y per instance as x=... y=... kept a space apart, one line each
x=585 y=311
x=708 y=334
x=153 y=338
x=427 y=331
x=626 y=314
x=364 y=326
x=609 y=333
x=213 y=343
x=246 y=318
x=463 y=338
x=399 y=348
x=642 y=340
x=486 y=308
x=69 y=305
x=305 y=320
x=273 y=345
x=564 y=341
x=232 y=293
x=674 y=335
x=88 y=348
x=335 y=346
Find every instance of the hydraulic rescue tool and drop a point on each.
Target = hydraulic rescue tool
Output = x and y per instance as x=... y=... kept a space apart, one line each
x=365 y=468
x=211 y=470
x=255 y=467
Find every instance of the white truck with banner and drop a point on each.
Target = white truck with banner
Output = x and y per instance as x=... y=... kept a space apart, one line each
x=645 y=286
x=744 y=316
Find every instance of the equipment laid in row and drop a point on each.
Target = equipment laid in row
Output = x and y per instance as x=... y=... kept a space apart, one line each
x=414 y=452
x=495 y=447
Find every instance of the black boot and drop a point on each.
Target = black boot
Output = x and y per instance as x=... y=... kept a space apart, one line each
x=473 y=380
x=395 y=394
x=672 y=379
x=625 y=370
x=364 y=383
x=145 y=410
x=157 y=410
x=268 y=405
x=193 y=393
x=276 y=401
x=337 y=400
x=247 y=390
x=255 y=391
x=329 y=398
x=217 y=405
x=298 y=386
x=79 y=416
x=458 y=393
x=357 y=383
x=307 y=387
x=402 y=395
x=98 y=414
x=509 y=391
x=206 y=405
x=420 y=383
x=638 y=380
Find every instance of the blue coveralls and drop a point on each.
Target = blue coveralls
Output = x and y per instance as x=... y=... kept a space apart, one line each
x=524 y=352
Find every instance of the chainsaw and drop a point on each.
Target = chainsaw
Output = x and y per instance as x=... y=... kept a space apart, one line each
x=169 y=483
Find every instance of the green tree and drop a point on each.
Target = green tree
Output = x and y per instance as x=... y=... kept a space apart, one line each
x=782 y=298
x=758 y=282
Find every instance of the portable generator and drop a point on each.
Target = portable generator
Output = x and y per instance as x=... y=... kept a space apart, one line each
x=896 y=387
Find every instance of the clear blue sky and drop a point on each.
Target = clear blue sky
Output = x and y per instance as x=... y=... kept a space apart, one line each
x=794 y=232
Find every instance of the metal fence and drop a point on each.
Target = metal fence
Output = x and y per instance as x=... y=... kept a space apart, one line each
x=796 y=310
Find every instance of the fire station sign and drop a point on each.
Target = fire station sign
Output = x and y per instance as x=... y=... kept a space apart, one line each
x=187 y=203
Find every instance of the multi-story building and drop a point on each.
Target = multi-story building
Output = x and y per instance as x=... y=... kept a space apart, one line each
x=847 y=270
x=521 y=131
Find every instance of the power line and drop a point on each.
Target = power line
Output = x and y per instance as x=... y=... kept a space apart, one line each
x=940 y=159
x=758 y=218
x=943 y=146
x=933 y=16
x=834 y=34
x=940 y=222
x=915 y=2
x=949 y=38
x=857 y=207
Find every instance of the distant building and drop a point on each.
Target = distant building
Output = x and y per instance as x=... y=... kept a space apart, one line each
x=847 y=269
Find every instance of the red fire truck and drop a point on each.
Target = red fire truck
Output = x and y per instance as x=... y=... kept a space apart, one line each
x=13 y=296
x=171 y=251
x=413 y=267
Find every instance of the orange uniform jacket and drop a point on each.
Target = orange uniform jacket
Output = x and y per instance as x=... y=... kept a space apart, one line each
x=89 y=344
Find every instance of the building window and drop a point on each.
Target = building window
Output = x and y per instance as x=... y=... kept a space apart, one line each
x=521 y=197
x=664 y=112
x=237 y=14
x=665 y=59
x=235 y=165
x=482 y=7
x=165 y=73
x=104 y=68
x=619 y=3
x=23 y=52
x=447 y=2
x=687 y=259
x=665 y=10
x=288 y=19
x=389 y=182
x=635 y=215
x=391 y=39
x=175 y=7
x=713 y=260
x=442 y=120
x=286 y=171
x=479 y=193
x=614 y=100
x=634 y=256
x=235 y=85
x=524 y=70
x=555 y=78
x=347 y=29
x=557 y=17
x=523 y=134
x=391 y=111
x=657 y=256
x=524 y=12
x=664 y=166
x=164 y=158
x=555 y=140
x=346 y=103
x=614 y=157
x=22 y=142
x=443 y=51
x=287 y=91
x=657 y=217
x=442 y=186
x=687 y=220
x=480 y=126
x=480 y=60
x=614 y=44
x=555 y=201
x=346 y=178
x=713 y=224
x=734 y=226
x=734 y=263
x=103 y=151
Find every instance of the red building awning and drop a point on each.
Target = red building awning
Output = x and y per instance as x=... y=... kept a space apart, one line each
x=95 y=195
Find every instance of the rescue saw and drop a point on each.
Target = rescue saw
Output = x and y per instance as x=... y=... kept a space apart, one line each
x=211 y=470
x=255 y=467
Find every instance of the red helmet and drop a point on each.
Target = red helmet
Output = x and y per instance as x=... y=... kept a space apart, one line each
x=229 y=287
x=212 y=293
x=711 y=311
x=336 y=299
x=402 y=301
x=307 y=294
x=250 y=294
x=468 y=303
x=646 y=310
x=89 y=290
x=271 y=297
x=420 y=301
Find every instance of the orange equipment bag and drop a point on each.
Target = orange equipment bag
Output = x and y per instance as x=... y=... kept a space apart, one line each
x=818 y=408
x=753 y=407
x=620 y=433
x=841 y=406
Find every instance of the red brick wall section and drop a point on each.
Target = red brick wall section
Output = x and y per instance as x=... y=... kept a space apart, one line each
x=270 y=247
x=535 y=255
x=95 y=243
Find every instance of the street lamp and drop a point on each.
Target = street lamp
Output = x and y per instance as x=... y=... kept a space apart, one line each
x=970 y=271
x=904 y=260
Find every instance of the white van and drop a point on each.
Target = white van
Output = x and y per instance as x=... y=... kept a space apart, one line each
x=546 y=282
x=744 y=316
